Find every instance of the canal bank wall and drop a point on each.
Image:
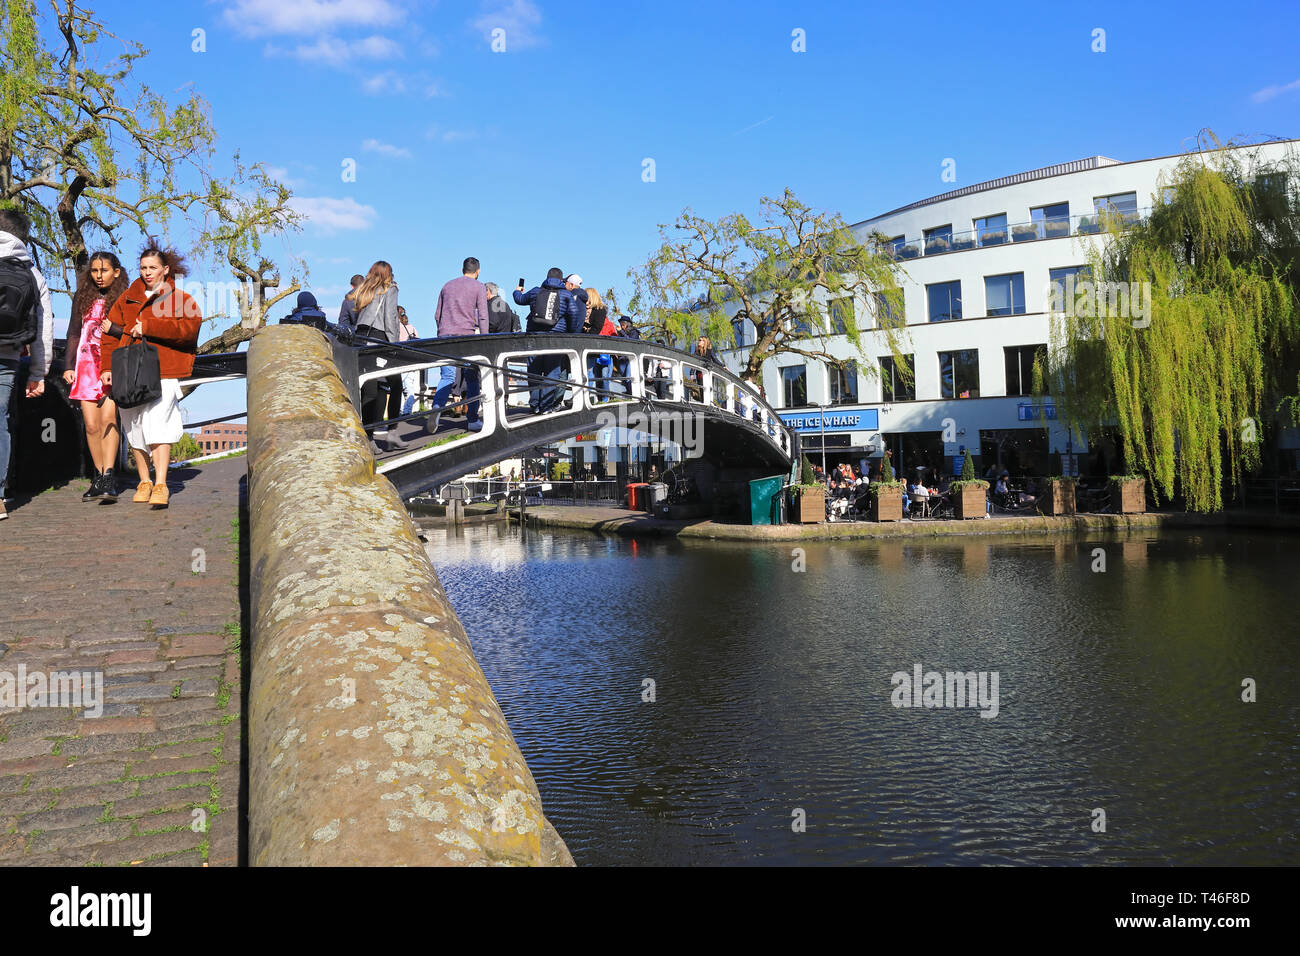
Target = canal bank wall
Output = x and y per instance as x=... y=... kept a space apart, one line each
x=619 y=521
x=374 y=738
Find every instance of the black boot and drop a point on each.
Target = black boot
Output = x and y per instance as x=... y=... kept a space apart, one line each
x=95 y=489
x=108 y=488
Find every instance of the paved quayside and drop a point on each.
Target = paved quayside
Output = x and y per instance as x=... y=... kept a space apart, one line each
x=152 y=600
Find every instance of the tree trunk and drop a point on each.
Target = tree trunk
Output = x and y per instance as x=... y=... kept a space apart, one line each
x=76 y=242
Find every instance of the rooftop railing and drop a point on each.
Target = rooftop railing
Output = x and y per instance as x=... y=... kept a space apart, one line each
x=937 y=244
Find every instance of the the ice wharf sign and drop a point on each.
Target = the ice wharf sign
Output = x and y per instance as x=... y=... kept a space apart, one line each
x=864 y=419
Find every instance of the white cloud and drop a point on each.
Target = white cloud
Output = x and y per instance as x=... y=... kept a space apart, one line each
x=330 y=215
x=385 y=149
x=450 y=135
x=432 y=90
x=385 y=82
x=331 y=51
x=1269 y=92
x=519 y=18
x=309 y=17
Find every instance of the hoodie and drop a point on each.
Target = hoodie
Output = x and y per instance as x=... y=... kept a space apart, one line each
x=11 y=247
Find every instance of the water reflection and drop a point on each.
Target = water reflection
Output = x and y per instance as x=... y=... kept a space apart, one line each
x=1119 y=689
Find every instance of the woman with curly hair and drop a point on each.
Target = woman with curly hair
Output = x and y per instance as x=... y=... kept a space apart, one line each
x=153 y=310
x=99 y=285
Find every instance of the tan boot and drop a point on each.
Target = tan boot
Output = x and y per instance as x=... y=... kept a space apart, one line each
x=160 y=495
x=142 y=492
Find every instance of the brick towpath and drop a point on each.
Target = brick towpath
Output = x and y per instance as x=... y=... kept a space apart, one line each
x=120 y=589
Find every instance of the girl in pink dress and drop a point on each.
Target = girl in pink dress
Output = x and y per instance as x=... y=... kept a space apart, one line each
x=98 y=286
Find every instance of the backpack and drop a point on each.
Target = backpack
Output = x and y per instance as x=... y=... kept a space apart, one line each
x=19 y=303
x=545 y=312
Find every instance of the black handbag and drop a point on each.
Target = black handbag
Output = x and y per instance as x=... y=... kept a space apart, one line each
x=136 y=376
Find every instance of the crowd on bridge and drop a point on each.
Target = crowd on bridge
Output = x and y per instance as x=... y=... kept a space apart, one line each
x=467 y=306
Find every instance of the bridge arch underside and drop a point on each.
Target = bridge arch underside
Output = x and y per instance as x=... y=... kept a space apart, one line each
x=719 y=443
x=641 y=392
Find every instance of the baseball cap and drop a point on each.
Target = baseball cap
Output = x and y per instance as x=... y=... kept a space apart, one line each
x=574 y=278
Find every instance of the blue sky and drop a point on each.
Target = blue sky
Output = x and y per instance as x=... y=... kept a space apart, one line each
x=534 y=156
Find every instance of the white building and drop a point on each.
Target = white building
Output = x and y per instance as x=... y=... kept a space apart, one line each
x=978 y=263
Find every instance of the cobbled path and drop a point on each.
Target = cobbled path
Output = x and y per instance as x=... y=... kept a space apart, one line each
x=150 y=599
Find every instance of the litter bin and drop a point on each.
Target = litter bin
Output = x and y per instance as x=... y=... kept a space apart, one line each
x=635 y=494
x=656 y=495
x=765 y=500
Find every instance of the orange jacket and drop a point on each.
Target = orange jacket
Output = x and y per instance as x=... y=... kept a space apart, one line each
x=171 y=322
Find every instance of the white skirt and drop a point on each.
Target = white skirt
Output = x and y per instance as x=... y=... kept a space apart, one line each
x=159 y=422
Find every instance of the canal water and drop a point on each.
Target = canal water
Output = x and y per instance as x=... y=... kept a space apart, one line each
x=770 y=735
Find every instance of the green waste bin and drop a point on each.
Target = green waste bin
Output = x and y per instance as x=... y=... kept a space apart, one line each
x=765 y=500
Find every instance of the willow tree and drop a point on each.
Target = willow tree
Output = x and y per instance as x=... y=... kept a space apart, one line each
x=798 y=275
x=96 y=159
x=240 y=214
x=1194 y=378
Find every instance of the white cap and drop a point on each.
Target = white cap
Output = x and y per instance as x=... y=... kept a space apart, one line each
x=574 y=278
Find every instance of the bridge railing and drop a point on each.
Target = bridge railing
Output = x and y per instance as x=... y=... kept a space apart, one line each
x=583 y=376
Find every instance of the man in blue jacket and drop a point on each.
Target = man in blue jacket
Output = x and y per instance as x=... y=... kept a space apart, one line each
x=551 y=308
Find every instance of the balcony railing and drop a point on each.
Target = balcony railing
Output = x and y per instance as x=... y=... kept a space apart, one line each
x=937 y=245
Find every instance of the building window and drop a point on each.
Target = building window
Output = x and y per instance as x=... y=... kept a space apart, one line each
x=1059 y=286
x=841 y=314
x=894 y=387
x=801 y=327
x=1118 y=204
x=738 y=326
x=945 y=300
x=1005 y=295
x=844 y=384
x=1052 y=221
x=794 y=384
x=991 y=230
x=895 y=245
x=1020 y=367
x=938 y=239
x=959 y=374
x=889 y=314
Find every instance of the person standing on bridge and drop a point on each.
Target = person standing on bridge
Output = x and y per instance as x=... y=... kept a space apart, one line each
x=374 y=304
x=501 y=318
x=347 y=314
x=462 y=310
x=553 y=307
x=153 y=310
x=412 y=382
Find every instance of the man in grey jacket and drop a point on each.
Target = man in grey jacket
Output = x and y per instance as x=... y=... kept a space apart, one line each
x=14 y=230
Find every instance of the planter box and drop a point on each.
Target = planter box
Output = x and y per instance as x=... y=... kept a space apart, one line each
x=970 y=502
x=1129 y=497
x=960 y=245
x=993 y=238
x=1023 y=235
x=888 y=505
x=908 y=252
x=1056 y=228
x=808 y=507
x=1089 y=228
x=1058 y=499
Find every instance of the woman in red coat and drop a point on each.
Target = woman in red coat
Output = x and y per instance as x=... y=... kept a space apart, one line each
x=155 y=311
